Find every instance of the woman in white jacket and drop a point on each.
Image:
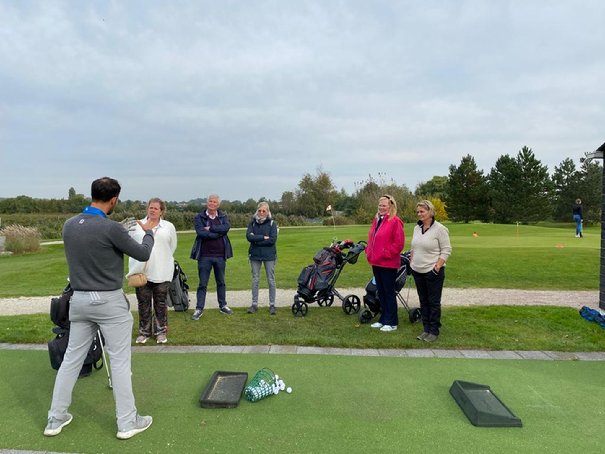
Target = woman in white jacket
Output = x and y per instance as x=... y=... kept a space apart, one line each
x=158 y=269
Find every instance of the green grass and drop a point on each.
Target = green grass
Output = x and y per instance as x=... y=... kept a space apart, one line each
x=485 y=327
x=339 y=405
x=501 y=256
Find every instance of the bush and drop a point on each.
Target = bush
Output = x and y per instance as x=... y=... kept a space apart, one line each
x=338 y=220
x=21 y=239
x=49 y=225
x=288 y=221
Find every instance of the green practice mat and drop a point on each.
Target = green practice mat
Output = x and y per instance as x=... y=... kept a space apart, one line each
x=339 y=404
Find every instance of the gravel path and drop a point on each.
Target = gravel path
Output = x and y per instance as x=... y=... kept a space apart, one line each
x=451 y=297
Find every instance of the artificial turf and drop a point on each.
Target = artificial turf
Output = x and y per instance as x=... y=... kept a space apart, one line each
x=339 y=404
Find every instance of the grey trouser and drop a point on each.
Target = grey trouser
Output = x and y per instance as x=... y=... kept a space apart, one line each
x=270 y=271
x=109 y=312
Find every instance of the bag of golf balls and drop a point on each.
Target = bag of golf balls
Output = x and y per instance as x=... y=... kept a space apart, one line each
x=262 y=385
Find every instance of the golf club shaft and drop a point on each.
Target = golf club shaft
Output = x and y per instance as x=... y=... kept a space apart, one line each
x=105 y=359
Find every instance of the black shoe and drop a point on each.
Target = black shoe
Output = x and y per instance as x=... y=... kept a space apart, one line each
x=272 y=310
x=252 y=309
x=430 y=337
x=197 y=314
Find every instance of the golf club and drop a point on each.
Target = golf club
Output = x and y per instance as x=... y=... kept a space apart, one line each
x=101 y=341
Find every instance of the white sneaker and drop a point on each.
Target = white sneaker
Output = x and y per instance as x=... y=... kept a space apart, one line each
x=388 y=328
x=141 y=423
x=376 y=325
x=55 y=425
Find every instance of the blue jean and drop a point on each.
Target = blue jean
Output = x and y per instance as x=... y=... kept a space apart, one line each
x=89 y=312
x=204 y=266
x=430 y=286
x=578 y=219
x=255 y=265
x=385 y=286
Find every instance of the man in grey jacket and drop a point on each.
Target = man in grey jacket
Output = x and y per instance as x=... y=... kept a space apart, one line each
x=95 y=248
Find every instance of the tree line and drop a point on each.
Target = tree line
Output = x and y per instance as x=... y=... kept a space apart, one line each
x=520 y=189
x=517 y=189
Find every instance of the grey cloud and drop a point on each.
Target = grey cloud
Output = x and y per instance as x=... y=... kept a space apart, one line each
x=243 y=98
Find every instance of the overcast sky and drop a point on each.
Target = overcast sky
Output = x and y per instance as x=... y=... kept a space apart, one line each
x=179 y=99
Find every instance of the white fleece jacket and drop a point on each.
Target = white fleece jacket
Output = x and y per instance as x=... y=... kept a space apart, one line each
x=160 y=265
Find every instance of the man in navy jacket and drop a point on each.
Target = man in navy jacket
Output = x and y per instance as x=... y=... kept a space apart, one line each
x=211 y=249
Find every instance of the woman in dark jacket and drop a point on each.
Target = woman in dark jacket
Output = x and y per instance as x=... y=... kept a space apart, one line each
x=262 y=235
x=578 y=218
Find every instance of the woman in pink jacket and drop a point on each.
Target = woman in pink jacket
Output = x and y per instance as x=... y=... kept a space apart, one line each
x=385 y=243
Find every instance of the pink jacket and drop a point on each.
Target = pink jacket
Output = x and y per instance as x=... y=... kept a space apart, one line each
x=386 y=243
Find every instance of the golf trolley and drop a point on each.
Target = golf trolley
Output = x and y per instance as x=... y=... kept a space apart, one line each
x=371 y=301
x=316 y=282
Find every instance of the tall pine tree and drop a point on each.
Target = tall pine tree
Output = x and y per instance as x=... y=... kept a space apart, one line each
x=467 y=195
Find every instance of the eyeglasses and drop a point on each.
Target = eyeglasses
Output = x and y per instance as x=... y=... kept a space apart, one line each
x=388 y=197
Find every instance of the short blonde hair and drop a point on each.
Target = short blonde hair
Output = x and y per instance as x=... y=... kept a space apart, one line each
x=427 y=205
x=392 y=204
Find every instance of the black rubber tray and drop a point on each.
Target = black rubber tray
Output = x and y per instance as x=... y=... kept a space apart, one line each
x=481 y=406
x=224 y=389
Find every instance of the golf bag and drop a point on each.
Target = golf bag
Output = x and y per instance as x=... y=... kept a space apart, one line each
x=59 y=315
x=316 y=282
x=178 y=290
x=318 y=276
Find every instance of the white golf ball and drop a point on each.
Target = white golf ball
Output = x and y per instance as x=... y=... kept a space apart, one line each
x=289 y=390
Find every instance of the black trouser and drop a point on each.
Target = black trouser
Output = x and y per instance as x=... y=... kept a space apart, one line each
x=429 y=286
x=385 y=285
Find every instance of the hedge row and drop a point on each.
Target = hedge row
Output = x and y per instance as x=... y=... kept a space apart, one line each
x=51 y=225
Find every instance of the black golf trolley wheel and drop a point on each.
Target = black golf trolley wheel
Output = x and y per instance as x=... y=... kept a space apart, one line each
x=326 y=300
x=414 y=314
x=299 y=308
x=365 y=316
x=351 y=304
